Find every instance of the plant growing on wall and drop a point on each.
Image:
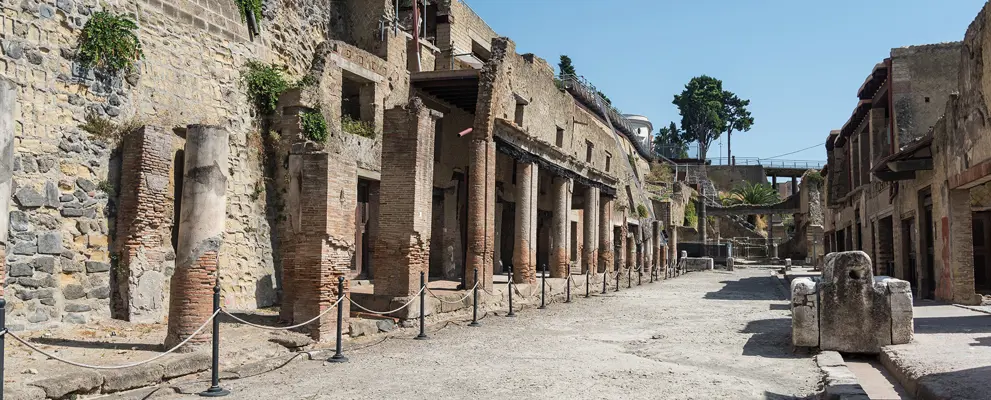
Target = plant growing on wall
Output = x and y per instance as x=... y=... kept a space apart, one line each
x=109 y=42
x=314 y=126
x=691 y=217
x=753 y=193
x=264 y=83
x=356 y=127
x=642 y=211
x=814 y=177
x=249 y=8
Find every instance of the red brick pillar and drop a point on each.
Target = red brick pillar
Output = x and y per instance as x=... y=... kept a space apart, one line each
x=525 y=238
x=493 y=87
x=591 y=226
x=202 y=219
x=606 y=256
x=559 y=267
x=144 y=220
x=8 y=101
x=325 y=205
x=623 y=256
x=406 y=192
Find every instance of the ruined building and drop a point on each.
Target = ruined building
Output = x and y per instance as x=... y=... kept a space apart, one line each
x=472 y=157
x=906 y=175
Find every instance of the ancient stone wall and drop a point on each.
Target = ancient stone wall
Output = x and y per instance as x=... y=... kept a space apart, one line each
x=922 y=78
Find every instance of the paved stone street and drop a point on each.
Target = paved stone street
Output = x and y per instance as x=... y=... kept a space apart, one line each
x=700 y=336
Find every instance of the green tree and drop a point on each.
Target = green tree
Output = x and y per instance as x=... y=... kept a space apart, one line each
x=604 y=97
x=702 y=112
x=737 y=118
x=754 y=194
x=565 y=67
x=668 y=142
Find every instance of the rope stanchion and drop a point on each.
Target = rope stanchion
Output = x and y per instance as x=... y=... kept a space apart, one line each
x=386 y=313
x=567 y=284
x=474 y=305
x=458 y=301
x=604 y=276
x=338 y=356
x=215 y=390
x=423 y=307
x=283 y=328
x=619 y=272
x=509 y=287
x=629 y=278
x=543 y=287
x=107 y=367
x=640 y=275
x=3 y=334
x=588 y=283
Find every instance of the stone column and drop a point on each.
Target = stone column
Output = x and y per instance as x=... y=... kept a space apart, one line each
x=525 y=246
x=493 y=88
x=406 y=196
x=656 y=243
x=606 y=256
x=202 y=220
x=954 y=247
x=623 y=256
x=590 y=246
x=8 y=102
x=703 y=225
x=559 y=227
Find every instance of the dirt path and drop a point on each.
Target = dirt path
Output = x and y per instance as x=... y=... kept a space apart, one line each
x=700 y=336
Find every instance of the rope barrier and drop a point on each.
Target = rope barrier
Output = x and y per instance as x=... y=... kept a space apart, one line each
x=107 y=367
x=467 y=295
x=284 y=328
x=412 y=298
x=572 y=279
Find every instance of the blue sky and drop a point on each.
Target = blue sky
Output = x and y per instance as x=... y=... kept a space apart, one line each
x=799 y=62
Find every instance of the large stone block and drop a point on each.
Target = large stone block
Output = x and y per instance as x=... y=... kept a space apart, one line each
x=900 y=301
x=855 y=316
x=804 y=313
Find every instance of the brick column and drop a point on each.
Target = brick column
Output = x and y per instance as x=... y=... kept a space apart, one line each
x=559 y=267
x=8 y=101
x=403 y=247
x=525 y=237
x=321 y=206
x=641 y=247
x=144 y=226
x=202 y=219
x=606 y=256
x=591 y=225
x=493 y=87
x=622 y=257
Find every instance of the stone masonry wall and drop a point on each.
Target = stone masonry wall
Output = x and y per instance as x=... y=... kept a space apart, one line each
x=922 y=78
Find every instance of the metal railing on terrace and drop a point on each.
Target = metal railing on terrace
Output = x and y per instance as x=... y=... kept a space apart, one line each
x=765 y=162
x=588 y=95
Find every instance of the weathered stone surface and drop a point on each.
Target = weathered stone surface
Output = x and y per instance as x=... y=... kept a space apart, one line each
x=292 y=340
x=73 y=292
x=386 y=325
x=185 y=364
x=24 y=248
x=28 y=197
x=21 y=269
x=50 y=242
x=71 y=266
x=51 y=195
x=44 y=264
x=855 y=316
x=698 y=263
x=902 y=314
x=363 y=327
x=22 y=392
x=86 y=185
x=19 y=221
x=96 y=266
x=75 y=318
x=76 y=307
x=804 y=313
x=130 y=378
x=38 y=316
x=73 y=382
x=99 y=293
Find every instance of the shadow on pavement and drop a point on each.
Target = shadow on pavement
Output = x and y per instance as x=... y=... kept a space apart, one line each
x=771 y=339
x=963 y=384
x=97 y=345
x=984 y=341
x=752 y=288
x=957 y=324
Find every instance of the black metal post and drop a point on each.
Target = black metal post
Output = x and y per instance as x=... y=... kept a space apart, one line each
x=509 y=286
x=423 y=307
x=567 y=289
x=215 y=390
x=604 y=283
x=338 y=356
x=640 y=276
x=629 y=278
x=588 y=283
x=618 y=274
x=474 y=300
x=543 y=287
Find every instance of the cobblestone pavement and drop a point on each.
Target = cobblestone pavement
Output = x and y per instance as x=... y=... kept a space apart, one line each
x=704 y=335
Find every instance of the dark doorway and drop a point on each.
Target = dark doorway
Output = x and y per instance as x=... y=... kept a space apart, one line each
x=840 y=241
x=982 y=252
x=617 y=236
x=929 y=237
x=362 y=262
x=908 y=249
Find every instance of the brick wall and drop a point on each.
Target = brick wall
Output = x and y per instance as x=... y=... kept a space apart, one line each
x=144 y=226
x=402 y=250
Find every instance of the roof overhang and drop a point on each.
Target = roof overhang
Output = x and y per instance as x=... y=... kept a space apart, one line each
x=458 y=88
x=917 y=156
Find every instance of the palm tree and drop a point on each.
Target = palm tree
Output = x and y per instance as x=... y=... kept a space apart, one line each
x=753 y=193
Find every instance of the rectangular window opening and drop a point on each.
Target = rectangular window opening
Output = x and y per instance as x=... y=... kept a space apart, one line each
x=559 y=139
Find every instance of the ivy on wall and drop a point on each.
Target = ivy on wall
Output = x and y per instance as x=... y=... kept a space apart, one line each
x=313 y=125
x=251 y=13
x=109 y=42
